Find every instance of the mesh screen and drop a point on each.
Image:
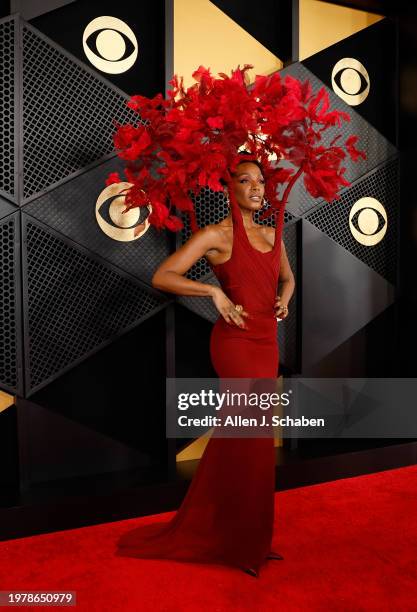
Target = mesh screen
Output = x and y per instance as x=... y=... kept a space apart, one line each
x=8 y=305
x=333 y=219
x=73 y=304
x=7 y=110
x=56 y=208
x=68 y=114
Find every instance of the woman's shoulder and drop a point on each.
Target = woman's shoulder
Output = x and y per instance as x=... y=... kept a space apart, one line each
x=219 y=229
x=214 y=235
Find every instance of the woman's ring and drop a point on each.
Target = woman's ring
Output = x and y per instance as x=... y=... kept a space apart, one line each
x=239 y=307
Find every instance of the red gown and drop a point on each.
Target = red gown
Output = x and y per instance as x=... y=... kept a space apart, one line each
x=228 y=512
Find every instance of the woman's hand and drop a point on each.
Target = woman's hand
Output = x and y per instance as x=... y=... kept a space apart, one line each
x=227 y=309
x=281 y=309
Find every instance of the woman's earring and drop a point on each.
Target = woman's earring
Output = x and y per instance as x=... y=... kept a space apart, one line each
x=226 y=193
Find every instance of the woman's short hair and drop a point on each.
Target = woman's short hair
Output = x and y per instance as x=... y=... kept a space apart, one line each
x=246 y=154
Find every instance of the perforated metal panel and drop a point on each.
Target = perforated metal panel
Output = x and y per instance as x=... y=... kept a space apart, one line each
x=9 y=305
x=70 y=209
x=68 y=114
x=211 y=207
x=333 y=219
x=73 y=304
x=7 y=107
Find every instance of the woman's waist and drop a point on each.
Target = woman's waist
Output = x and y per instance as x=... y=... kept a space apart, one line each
x=260 y=325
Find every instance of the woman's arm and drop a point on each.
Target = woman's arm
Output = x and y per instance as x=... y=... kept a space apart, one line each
x=286 y=285
x=170 y=274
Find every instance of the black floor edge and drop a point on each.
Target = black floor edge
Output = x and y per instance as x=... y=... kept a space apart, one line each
x=84 y=510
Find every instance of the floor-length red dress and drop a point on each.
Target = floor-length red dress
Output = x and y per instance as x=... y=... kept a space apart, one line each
x=227 y=514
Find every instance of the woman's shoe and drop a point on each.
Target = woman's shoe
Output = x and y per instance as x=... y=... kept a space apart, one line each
x=275 y=555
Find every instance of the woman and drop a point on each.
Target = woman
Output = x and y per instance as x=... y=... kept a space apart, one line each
x=227 y=514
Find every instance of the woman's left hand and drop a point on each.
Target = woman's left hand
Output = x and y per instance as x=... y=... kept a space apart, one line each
x=281 y=309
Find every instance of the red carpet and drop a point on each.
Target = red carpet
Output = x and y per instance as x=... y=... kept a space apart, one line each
x=349 y=545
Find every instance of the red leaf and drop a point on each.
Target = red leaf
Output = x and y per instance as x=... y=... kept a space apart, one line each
x=113 y=177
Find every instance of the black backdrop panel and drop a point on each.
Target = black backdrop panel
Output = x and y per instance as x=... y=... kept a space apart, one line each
x=56 y=446
x=70 y=209
x=269 y=22
x=68 y=114
x=146 y=19
x=33 y=8
x=375 y=48
x=354 y=295
x=73 y=304
x=7 y=108
x=333 y=219
x=10 y=335
x=111 y=407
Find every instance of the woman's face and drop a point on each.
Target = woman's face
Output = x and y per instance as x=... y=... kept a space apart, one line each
x=249 y=186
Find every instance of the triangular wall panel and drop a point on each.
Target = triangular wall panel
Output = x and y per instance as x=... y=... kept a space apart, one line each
x=382 y=184
x=205 y=35
x=68 y=113
x=70 y=208
x=375 y=49
x=340 y=295
x=73 y=303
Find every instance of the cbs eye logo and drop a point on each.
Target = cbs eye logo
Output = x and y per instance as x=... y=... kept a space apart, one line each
x=110 y=45
x=112 y=221
x=368 y=221
x=350 y=81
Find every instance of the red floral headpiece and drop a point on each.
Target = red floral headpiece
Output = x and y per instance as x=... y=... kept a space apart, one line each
x=192 y=140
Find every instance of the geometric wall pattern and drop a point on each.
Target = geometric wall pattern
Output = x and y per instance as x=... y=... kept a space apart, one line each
x=374 y=47
x=70 y=209
x=67 y=288
x=340 y=295
x=73 y=304
x=333 y=219
x=68 y=114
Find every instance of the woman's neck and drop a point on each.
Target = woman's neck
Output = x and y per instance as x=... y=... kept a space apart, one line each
x=247 y=217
